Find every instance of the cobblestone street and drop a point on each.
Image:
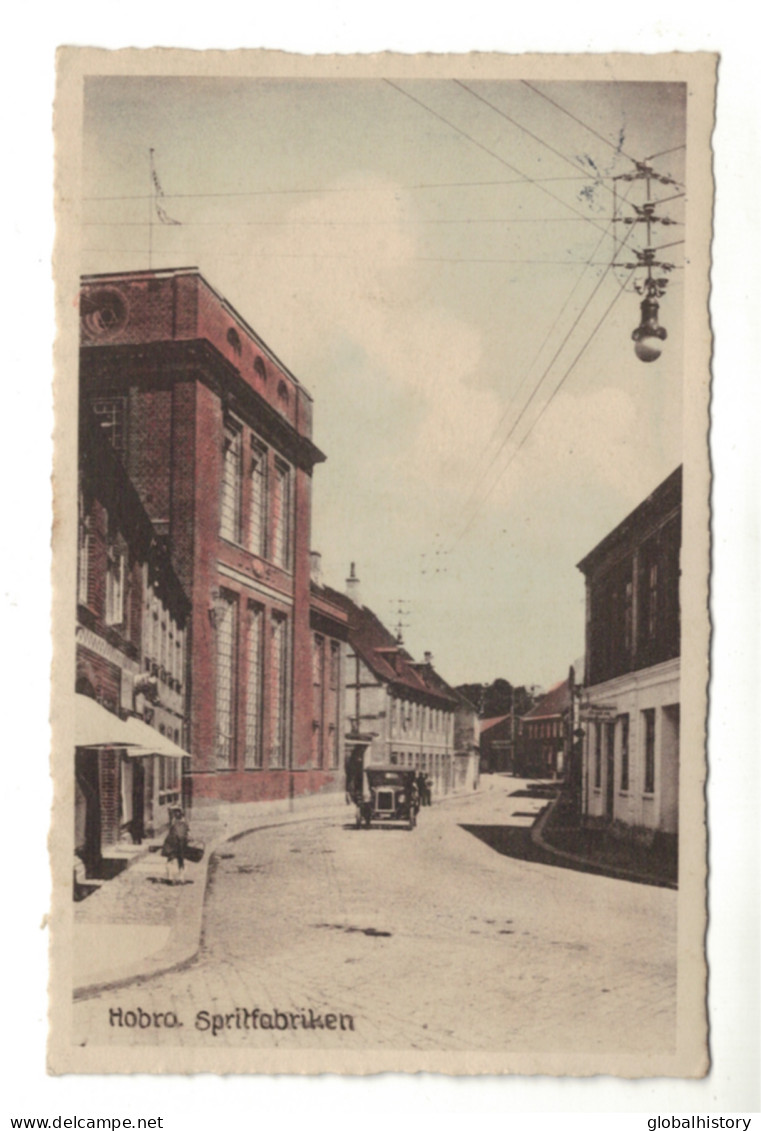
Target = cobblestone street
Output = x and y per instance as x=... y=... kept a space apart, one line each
x=421 y=940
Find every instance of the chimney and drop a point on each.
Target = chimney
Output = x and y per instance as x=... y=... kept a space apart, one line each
x=352 y=585
x=315 y=567
x=428 y=658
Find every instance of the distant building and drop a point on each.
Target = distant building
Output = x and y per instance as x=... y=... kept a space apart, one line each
x=630 y=708
x=498 y=744
x=467 y=745
x=543 y=735
x=398 y=712
x=133 y=620
x=329 y=622
x=215 y=433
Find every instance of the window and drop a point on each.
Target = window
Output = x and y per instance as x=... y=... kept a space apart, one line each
x=281 y=516
x=83 y=564
x=227 y=650
x=279 y=692
x=318 y=684
x=257 y=521
x=335 y=664
x=229 y=515
x=624 y=720
x=648 y=718
x=253 y=753
x=652 y=601
x=110 y=415
x=115 y=578
x=598 y=756
x=169 y=778
x=179 y=665
x=628 y=616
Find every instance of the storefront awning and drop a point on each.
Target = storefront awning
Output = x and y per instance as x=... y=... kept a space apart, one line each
x=145 y=739
x=95 y=727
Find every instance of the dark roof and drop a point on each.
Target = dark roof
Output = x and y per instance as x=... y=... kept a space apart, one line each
x=386 y=657
x=666 y=497
x=325 y=613
x=552 y=705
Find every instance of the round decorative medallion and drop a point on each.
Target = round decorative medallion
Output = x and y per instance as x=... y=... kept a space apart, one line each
x=103 y=312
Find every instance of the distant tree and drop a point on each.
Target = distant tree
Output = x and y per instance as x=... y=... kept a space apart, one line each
x=497 y=698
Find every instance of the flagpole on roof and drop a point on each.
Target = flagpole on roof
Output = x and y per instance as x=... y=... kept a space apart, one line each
x=154 y=207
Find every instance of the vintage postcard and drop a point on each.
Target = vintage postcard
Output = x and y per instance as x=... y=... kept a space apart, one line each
x=381 y=563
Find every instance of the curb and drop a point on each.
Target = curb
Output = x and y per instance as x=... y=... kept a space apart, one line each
x=612 y=871
x=187 y=930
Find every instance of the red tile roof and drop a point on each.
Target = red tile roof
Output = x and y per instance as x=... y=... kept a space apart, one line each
x=487 y=724
x=388 y=659
x=552 y=705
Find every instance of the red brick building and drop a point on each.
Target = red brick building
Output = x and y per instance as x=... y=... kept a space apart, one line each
x=543 y=735
x=497 y=744
x=131 y=659
x=329 y=621
x=215 y=433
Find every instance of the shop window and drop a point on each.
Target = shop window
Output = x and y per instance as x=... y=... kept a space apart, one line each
x=624 y=723
x=648 y=719
x=598 y=756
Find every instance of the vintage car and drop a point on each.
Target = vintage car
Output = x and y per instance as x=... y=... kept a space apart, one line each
x=393 y=797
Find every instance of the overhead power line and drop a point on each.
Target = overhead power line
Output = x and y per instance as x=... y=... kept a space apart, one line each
x=538 y=385
x=479 y=476
x=584 y=125
x=358 y=191
x=491 y=153
x=548 y=402
x=341 y=223
x=524 y=129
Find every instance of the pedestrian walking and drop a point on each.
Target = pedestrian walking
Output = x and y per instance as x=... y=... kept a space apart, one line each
x=175 y=845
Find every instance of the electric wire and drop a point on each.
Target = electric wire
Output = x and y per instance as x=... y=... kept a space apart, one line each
x=584 y=125
x=378 y=259
x=525 y=129
x=478 y=475
x=313 y=191
x=544 y=408
x=339 y=223
x=538 y=385
x=491 y=153
x=664 y=152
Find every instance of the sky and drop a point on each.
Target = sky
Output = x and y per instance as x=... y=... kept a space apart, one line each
x=431 y=259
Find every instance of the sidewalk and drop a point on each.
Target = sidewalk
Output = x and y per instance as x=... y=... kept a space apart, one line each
x=589 y=851
x=137 y=925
